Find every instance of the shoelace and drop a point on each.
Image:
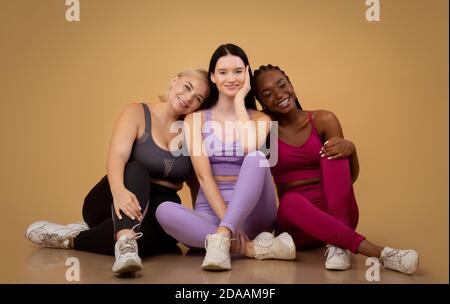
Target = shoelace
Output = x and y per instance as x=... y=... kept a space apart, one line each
x=215 y=241
x=264 y=242
x=392 y=258
x=335 y=251
x=52 y=240
x=56 y=240
x=129 y=245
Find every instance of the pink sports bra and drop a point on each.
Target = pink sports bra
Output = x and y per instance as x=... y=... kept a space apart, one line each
x=298 y=162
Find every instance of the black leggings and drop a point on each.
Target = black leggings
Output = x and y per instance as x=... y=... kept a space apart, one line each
x=98 y=213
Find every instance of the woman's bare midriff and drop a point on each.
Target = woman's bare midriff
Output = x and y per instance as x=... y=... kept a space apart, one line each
x=225 y=178
x=283 y=187
x=167 y=184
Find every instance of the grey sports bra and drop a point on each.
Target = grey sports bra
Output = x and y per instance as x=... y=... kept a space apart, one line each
x=161 y=163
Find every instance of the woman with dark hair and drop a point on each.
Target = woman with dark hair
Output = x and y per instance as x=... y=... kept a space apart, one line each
x=222 y=51
x=314 y=175
x=143 y=171
x=237 y=198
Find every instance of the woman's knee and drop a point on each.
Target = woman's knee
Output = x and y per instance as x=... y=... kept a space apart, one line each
x=135 y=169
x=86 y=213
x=165 y=211
x=137 y=180
x=336 y=164
x=258 y=158
x=96 y=204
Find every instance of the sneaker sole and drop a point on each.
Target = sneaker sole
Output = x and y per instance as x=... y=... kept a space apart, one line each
x=128 y=266
x=79 y=226
x=337 y=267
x=215 y=267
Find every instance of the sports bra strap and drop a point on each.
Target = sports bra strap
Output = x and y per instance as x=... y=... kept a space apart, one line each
x=208 y=115
x=148 y=117
x=311 y=119
x=314 y=129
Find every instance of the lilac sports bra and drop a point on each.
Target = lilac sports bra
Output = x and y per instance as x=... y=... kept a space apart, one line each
x=225 y=157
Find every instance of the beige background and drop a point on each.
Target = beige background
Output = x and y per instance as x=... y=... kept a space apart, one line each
x=63 y=85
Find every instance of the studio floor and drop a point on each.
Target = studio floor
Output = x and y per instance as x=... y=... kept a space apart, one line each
x=37 y=265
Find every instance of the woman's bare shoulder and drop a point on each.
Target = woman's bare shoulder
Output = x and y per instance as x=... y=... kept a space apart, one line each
x=132 y=110
x=323 y=116
x=258 y=115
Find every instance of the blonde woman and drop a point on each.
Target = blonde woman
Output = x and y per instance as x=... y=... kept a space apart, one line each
x=142 y=172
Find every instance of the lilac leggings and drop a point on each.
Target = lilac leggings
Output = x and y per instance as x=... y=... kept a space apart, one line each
x=325 y=212
x=251 y=207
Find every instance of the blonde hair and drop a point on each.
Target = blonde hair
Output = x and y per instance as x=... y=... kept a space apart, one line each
x=196 y=72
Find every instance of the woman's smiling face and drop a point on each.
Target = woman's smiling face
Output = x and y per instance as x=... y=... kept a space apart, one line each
x=187 y=94
x=229 y=75
x=275 y=92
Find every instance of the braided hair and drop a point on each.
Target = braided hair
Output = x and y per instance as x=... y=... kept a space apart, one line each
x=265 y=68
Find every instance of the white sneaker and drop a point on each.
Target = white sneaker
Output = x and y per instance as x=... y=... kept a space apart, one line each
x=126 y=252
x=281 y=247
x=217 y=253
x=405 y=261
x=53 y=235
x=337 y=258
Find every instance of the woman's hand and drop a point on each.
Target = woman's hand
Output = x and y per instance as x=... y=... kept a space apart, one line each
x=238 y=244
x=126 y=202
x=336 y=148
x=243 y=91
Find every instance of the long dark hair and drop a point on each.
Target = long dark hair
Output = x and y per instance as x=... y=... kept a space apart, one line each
x=223 y=50
x=265 y=68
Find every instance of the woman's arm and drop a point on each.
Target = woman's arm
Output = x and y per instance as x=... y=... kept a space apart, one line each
x=202 y=167
x=124 y=134
x=252 y=132
x=335 y=145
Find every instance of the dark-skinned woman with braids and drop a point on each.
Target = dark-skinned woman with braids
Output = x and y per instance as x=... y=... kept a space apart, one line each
x=314 y=175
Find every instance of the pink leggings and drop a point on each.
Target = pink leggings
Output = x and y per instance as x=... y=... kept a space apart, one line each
x=324 y=212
